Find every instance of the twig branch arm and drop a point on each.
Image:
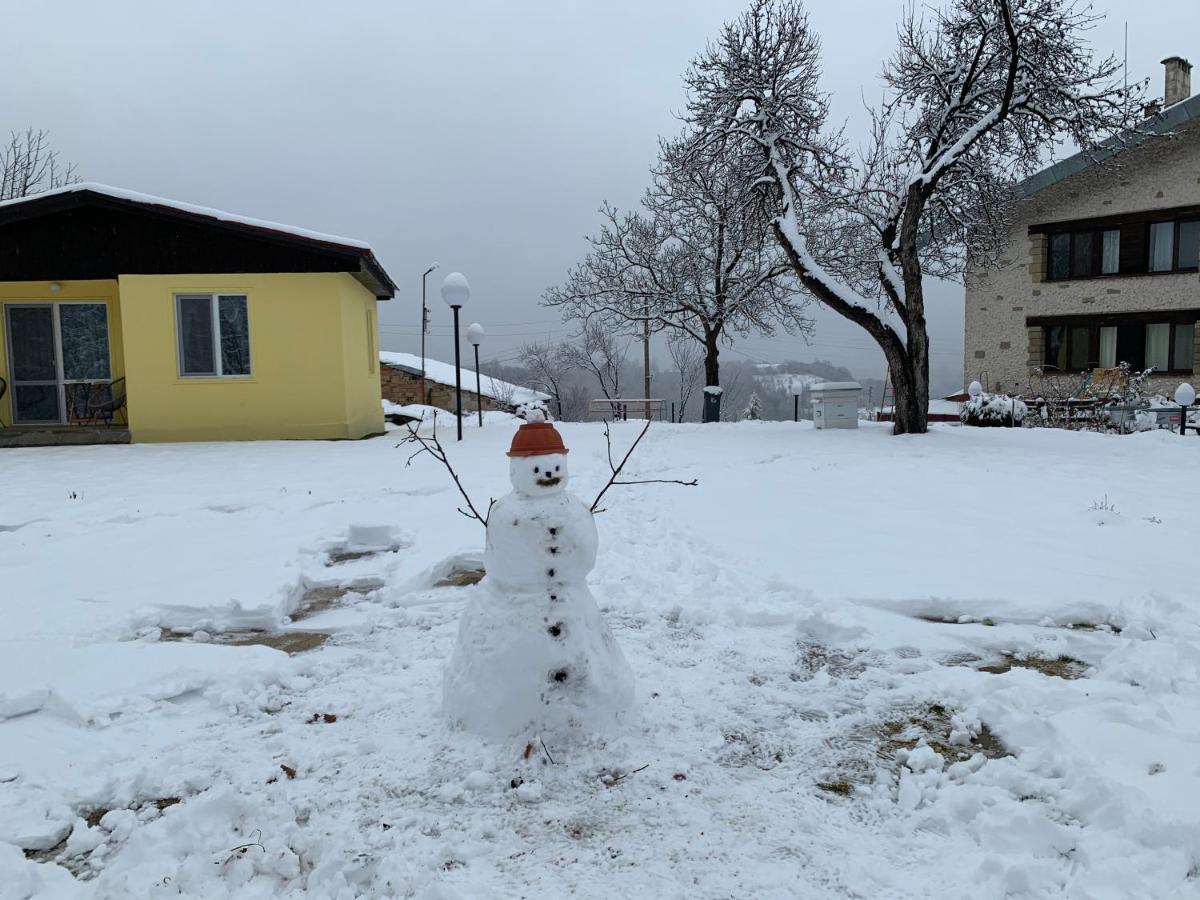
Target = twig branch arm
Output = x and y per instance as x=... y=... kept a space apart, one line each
x=434 y=448
x=616 y=469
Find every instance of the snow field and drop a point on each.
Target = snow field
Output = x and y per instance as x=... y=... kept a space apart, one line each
x=806 y=629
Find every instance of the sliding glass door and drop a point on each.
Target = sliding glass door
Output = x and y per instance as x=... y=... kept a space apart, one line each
x=58 y=359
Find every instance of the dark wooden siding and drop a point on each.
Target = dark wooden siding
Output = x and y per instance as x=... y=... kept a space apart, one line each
x=84 y=235
x=92 y=242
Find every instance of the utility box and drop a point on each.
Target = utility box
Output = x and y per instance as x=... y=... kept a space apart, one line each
x=835 y=404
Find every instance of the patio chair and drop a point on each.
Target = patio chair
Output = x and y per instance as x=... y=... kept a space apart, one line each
x=104 y=409
x=96 y=402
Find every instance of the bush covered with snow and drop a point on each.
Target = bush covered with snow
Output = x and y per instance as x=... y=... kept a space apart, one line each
x=986 y=410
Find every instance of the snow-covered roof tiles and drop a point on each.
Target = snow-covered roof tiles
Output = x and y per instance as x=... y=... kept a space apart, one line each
x=443 y=373
x=219 y=215
x=1164 y=122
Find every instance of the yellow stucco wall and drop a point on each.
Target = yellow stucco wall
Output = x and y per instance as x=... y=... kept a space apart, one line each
x=360 y=358
x=39 y=292
x=311 y=358
x=298 y=386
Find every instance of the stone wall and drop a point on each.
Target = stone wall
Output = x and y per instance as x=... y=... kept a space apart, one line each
x=1001 y=348
x=402 y=387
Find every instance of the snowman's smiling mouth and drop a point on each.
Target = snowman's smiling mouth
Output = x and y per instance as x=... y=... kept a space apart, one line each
x=549 y=482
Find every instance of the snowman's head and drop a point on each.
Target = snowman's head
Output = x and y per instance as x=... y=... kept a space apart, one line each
x=538 y=476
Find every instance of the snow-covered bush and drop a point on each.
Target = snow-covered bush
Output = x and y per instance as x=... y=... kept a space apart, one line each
x=986 y=410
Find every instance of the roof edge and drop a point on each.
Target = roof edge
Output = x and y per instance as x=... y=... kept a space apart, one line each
x=371 y=272
x=1172 y=117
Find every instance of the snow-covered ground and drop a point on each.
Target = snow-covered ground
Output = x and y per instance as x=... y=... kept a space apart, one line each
x=810 y=629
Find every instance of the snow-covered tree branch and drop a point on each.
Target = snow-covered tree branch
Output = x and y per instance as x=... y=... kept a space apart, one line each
x=977 y=95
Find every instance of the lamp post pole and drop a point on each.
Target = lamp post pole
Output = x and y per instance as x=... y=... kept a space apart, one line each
x=475 y=335
x=424 y=329
x=456 y=291
x=795 y=407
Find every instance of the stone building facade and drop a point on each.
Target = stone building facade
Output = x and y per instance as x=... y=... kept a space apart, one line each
x=1101 y=265
x=403 y=386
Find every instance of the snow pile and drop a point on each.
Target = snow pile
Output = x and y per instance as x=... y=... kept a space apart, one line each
x=832 y=702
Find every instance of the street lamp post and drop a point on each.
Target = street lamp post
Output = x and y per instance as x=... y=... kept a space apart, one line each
x=424 y=329
x=456 y=292
x=1185 y=396
x=797 y=390
x=476 y=334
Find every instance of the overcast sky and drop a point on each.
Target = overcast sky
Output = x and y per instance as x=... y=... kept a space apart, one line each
x=481 y=135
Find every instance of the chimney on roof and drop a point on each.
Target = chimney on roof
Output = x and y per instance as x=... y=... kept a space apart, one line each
x=1179 y=80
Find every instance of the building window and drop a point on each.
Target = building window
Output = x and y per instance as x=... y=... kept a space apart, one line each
x=1110 y=259
x=1084 y=254
x=1162 y=246
x=1135 y=247
x=213 y=335
x=1188 y=258
x=1147 y=342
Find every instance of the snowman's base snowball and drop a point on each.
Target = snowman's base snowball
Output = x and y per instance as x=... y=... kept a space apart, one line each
x=524 y=667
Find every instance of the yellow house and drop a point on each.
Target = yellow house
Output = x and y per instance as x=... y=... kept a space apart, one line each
x=128 y=317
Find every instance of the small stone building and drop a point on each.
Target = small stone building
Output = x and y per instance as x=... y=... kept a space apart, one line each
x=1102 y=265
x=401 y=383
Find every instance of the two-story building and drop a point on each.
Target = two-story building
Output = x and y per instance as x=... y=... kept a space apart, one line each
x=1102 y=265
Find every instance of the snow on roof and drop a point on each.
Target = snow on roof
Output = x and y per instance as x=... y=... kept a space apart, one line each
x=936 y=407
x=135 y=197
x=836 y=386
x=443 y=373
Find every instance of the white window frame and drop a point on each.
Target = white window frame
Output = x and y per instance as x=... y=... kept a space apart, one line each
x=215 y=318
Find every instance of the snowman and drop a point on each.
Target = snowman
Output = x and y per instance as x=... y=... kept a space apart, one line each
x=534 y=657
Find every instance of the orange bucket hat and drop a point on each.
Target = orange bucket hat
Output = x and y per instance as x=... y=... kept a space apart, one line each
x=537 y=439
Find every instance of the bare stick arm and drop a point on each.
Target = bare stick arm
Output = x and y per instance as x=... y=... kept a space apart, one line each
x=616 y=470
x=434 y=448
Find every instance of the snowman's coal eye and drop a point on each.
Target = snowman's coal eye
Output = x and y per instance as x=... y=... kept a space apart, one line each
x=556 y=468
x=535 y=470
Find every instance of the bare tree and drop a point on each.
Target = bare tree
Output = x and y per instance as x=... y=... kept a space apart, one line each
x=549 y=366
x=685 y=358
x=698 y=260
x=600 y=352
x=29 y=166
x=975 y=95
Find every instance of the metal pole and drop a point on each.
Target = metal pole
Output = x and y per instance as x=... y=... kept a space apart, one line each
x=1183 y=421
x=424 y=319
x=478 y=389
x=646 y=359
x=672 y=410
x=795 y=407
x=457 y=376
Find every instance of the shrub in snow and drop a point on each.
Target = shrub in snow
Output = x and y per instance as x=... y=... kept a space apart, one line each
x=993 y=411
x=753 y=411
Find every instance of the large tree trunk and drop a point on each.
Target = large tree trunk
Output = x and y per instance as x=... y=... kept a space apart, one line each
x=712 y=378
x=908 y=362
x=914 y=417
x=908 y=413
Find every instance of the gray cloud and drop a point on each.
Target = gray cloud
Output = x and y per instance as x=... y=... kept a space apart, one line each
x=483 y=135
